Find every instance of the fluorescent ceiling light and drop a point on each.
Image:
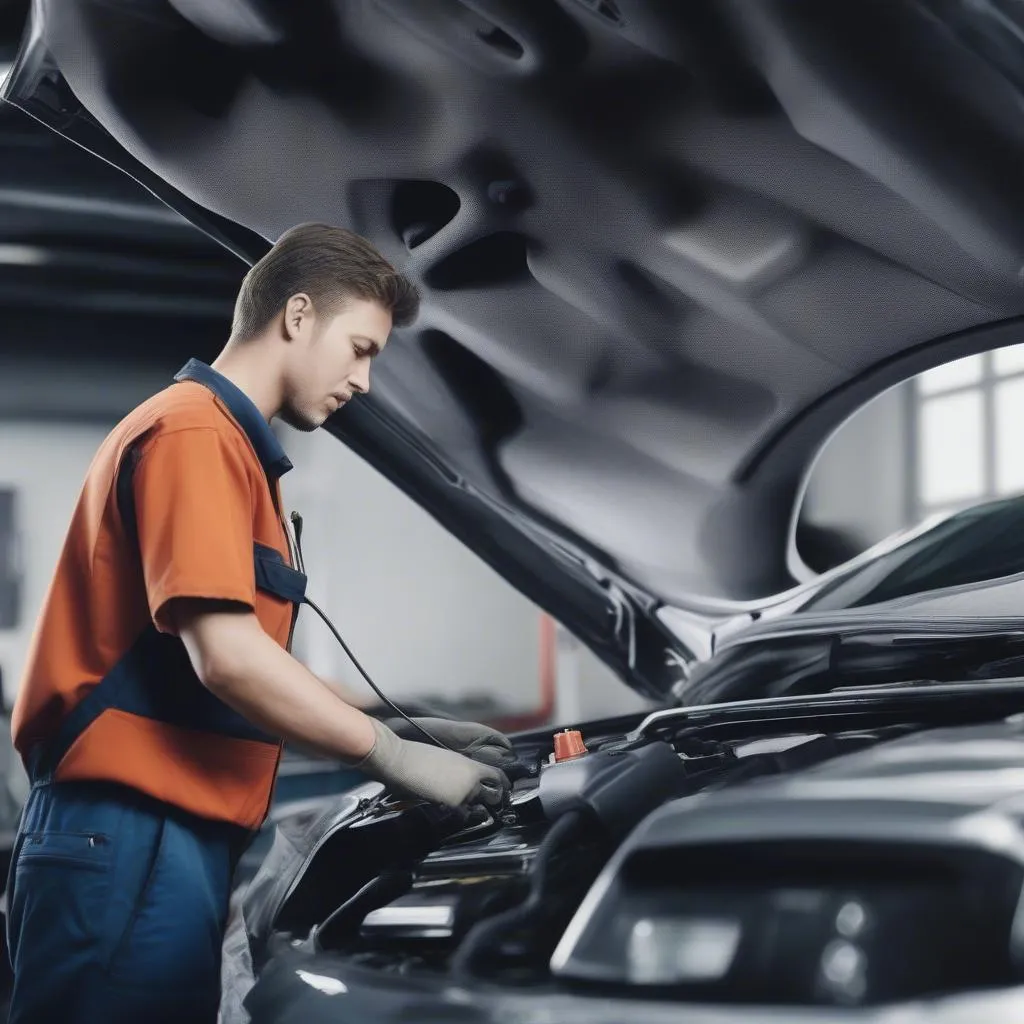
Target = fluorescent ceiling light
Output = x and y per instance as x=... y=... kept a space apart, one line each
x=22 y=255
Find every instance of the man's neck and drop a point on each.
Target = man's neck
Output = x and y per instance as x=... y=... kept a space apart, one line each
x=252 y=368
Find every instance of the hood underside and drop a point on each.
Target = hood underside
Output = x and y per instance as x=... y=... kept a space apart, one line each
x=665 y=248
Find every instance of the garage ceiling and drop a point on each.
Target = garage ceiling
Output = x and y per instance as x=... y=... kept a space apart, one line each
x=91 y=264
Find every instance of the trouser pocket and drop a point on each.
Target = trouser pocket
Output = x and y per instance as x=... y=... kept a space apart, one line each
x=63 y=878
x=56 y=908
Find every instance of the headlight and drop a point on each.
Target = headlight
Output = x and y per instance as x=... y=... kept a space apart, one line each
x=668 y=951
x=796 y=924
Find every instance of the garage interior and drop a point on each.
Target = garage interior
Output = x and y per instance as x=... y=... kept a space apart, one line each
x=105 y=292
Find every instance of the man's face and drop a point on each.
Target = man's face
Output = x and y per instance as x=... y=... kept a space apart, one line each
x=329 y=361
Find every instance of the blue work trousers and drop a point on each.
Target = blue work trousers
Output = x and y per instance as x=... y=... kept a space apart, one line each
x=117 y=906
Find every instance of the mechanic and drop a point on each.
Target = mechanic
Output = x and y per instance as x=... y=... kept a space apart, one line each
x=160 y=684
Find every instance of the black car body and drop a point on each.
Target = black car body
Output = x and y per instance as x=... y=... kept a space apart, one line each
x=666 y=249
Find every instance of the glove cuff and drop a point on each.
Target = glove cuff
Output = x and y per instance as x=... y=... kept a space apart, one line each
x=383 y=753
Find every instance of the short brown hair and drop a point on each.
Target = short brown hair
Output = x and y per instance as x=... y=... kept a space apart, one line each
x=329 y=264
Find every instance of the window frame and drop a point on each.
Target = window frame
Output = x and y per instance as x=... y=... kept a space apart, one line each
x=917 y=508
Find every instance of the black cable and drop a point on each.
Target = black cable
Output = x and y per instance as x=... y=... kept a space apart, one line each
x=376 y=689
x=297 y=527
x=378 y=892
x=481 y=935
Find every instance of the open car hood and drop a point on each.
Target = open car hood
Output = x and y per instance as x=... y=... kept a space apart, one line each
x=665 y=248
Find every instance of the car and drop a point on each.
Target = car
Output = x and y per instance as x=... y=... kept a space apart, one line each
x=666 y=250
x=812 y=765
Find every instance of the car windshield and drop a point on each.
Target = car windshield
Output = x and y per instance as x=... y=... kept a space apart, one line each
x=982 y=543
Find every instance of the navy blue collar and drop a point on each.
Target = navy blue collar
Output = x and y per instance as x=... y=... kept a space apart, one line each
x=249 y=418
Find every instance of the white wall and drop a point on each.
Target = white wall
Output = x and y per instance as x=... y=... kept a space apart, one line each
x=46 y=463
x=587 y=688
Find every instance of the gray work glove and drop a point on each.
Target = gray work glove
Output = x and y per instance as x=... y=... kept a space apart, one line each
x=432 y=773
x=480 y=742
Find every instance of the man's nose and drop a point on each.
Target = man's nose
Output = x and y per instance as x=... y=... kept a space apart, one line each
x=360 y=381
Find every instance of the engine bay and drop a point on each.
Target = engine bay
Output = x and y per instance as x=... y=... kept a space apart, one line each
x=747 y=861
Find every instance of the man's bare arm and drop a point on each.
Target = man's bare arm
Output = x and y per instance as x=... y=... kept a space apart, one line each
x=238 y=662
x=362 y=699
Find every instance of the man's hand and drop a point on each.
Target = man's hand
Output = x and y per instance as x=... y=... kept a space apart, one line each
x=480 y=742
x=432 y=773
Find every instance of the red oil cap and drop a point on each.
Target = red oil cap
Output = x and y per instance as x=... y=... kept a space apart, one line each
x=569 y=744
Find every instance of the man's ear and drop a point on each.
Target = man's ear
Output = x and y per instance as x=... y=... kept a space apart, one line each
x=298 y=311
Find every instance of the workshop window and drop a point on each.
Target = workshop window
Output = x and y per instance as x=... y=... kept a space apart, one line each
x=11 y=571
x=969 y=431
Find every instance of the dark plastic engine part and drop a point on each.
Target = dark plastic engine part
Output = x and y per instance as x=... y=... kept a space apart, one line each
x=618 y=787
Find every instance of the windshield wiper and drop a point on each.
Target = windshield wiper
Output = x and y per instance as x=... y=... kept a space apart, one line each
x=901 y=684
x=927 y=638
x=861 y=625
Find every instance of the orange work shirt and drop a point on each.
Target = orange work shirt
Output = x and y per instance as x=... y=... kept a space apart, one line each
x=182 y=500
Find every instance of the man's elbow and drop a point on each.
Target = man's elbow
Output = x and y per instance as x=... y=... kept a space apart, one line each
x=219 y=670
x=221 y=643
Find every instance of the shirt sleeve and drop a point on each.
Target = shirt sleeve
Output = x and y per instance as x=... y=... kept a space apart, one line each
x=193 y=509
